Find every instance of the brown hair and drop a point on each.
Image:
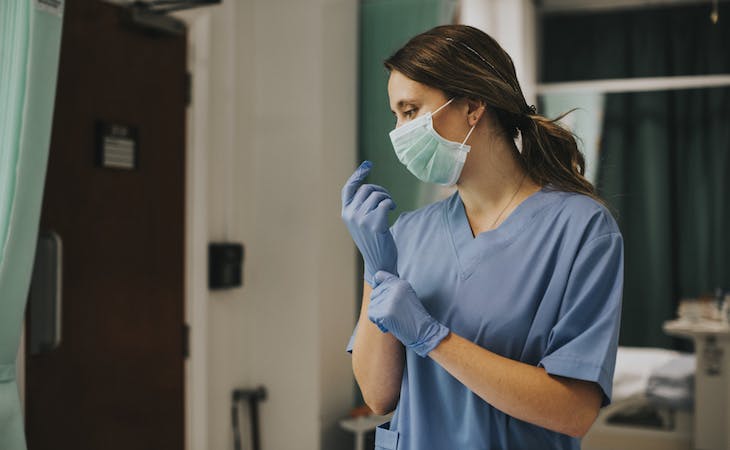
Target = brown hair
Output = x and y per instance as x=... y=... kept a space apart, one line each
x=463 y=61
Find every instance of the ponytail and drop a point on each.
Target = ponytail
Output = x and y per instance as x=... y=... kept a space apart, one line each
x=551 y=155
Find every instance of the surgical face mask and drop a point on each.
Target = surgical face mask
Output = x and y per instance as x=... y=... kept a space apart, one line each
x=428 y=155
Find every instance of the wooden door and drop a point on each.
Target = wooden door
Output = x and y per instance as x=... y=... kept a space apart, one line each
x=116 y=381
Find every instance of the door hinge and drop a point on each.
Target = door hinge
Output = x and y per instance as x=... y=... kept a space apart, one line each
x=186 y=341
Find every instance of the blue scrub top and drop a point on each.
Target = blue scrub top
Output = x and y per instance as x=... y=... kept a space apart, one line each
x=543 y=288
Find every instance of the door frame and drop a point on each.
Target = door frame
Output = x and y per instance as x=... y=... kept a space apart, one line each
x=196 y=230
x=196 y=239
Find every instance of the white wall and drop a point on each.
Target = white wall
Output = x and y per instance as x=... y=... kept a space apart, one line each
x=281 y=141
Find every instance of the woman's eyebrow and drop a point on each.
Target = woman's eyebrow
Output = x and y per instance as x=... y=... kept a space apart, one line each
x=405 y=102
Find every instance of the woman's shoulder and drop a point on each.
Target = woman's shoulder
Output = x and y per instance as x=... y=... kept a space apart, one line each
x=424 y=215
x=585 y=213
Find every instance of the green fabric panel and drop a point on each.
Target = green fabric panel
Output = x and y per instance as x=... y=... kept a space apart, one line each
x=664 y=156
x=30 y=42
x=385 y=26
x=11 y=420
x=7 y=372
x=15 y=20
x=637 y=184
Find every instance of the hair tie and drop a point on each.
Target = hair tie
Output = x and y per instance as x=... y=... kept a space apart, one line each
x=524 y=121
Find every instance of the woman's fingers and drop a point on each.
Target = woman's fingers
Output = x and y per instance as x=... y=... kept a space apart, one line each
x=353 y=183
x=372 y=202
x=364 y=192
x=386 y=205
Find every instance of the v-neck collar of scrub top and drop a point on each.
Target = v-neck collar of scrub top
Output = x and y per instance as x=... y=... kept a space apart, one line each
x=470 y=249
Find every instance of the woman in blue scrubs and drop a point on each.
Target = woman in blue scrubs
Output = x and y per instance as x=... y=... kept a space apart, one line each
x=490 y=319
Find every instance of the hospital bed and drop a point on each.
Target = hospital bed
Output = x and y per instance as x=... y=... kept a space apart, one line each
x=668 y=400
x=652 y=406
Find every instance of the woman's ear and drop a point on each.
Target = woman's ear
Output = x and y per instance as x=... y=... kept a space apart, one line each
x=476 y=109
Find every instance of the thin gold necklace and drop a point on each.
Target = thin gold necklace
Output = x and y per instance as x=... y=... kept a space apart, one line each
x=510 y=201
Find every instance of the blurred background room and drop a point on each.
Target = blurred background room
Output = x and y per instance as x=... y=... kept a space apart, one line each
x=174 y=272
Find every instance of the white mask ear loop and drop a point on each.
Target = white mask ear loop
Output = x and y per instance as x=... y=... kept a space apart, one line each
x=467 y=136
x=443 y=106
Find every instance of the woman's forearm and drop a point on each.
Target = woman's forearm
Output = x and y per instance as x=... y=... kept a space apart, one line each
x=521 y=390
x=377 y=362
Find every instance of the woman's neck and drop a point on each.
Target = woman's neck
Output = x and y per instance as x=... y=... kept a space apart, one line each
x=493 y=182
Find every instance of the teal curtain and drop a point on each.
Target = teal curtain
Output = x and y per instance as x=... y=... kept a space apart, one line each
x=385 y=25
x=30 y=34
x=664 y=155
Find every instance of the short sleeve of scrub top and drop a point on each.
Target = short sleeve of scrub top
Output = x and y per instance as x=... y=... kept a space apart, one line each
x=543 y=288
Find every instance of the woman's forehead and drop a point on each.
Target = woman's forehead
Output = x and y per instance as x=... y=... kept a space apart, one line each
x=402 y=89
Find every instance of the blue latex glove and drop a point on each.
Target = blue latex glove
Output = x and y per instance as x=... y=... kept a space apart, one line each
x=365 y=212
x=395 y=308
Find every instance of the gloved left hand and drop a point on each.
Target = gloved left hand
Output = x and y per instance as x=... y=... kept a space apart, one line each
x=365 y=212
x=395 y=308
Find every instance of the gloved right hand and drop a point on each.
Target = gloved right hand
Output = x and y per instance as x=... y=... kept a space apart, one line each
x=365 y=212
x=396 y=309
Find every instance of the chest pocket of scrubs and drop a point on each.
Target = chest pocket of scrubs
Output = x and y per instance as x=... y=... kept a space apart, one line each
x=386 y=439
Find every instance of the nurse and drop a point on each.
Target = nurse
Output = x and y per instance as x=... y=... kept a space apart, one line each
x=490 y=319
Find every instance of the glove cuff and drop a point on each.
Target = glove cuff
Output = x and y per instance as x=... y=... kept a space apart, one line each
x=432 y=338
x=370 y=275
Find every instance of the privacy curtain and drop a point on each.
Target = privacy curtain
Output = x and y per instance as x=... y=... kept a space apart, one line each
x=385 y=25
x=30 y=33
x=664 y=156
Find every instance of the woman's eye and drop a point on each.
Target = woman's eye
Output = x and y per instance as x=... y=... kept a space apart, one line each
x=408 y=114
